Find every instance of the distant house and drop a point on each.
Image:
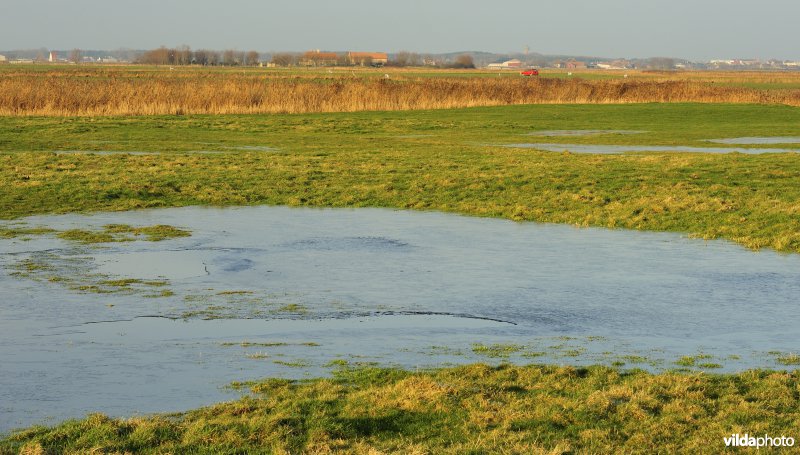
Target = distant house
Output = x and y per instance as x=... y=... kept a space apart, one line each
x=53 y=57
x=368 y=58
x=507 y=65
x=574 y=65
x=317 y=58
x=3 y=59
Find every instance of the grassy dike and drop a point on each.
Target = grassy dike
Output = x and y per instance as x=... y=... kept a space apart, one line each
x=429 y=160
x=466 y=410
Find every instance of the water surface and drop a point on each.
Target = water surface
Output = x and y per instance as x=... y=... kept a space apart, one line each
x=569 y=133
x=281 y=292
x=600 y=149
x=757 y=140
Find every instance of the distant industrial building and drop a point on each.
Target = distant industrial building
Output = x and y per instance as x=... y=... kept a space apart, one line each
x=507 y=65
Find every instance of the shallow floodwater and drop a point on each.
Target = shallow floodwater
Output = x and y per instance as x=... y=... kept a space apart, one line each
x=757 y=140
x=600 y=149
x=568 y=133
x=282 y=292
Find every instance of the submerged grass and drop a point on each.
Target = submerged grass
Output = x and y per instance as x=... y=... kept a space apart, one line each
x=471 y=409
x=77 y=273
x=123 y=233
x=14 y=232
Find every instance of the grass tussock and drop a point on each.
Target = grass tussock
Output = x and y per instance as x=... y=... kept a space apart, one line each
x=473 y=409
x=123 y=233
x=101 y=92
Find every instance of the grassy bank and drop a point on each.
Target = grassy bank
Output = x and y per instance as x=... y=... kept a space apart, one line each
x=93 y=91
x=432 y=160
x=472 y=409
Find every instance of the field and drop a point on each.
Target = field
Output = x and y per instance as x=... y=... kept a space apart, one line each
x=88 y=91
x=448 y=160
x=86 y=139
x=474 y=409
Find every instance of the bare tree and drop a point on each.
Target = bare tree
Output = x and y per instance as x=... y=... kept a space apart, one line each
x=283 y=59
x=463 y=61
x=405 y=58
x=213 y=58
x=75 y=56
x=252 y=58
x=400 y=59
x=183 y=55
x=232 y=57
x=158 y=56
x=342 y=60
x=201 y=57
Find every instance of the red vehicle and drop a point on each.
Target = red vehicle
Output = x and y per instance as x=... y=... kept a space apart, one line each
x=530 y=72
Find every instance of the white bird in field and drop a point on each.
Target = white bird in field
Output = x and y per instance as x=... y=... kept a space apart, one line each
x=386 y=76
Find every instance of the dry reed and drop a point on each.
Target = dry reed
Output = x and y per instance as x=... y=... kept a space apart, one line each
x=92 y=93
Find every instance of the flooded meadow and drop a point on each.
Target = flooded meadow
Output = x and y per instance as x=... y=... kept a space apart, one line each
x=134 y=320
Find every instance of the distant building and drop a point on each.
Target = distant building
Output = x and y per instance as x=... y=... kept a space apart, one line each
x=317 y=58
x=3 y=59
x=368 y=58
x=614 y=65
x=53 y=57
x=508 y=64
x=574 y=65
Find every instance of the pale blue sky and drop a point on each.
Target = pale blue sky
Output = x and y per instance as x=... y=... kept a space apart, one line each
x=694 y=29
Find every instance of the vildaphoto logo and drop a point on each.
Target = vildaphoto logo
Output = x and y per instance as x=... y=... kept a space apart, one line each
x=745 y=440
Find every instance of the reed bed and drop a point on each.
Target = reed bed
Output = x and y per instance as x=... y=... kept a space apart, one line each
x=104 y=93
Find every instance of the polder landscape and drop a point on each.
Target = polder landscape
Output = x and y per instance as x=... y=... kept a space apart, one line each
x=396 y=260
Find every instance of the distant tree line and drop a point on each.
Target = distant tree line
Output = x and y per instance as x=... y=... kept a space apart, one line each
x=183 y=55
x=400 y=59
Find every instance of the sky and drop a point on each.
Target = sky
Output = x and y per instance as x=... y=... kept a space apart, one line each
x=692 y=29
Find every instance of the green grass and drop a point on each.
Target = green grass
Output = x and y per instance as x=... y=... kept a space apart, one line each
x=451 y=163
x=472 y=409
x=14 y=232
x=496 y=350
x=123 y=233
x=692 y=360
x=786 y=358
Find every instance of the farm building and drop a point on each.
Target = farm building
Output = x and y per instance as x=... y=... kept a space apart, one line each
x=509 y=64
x=317 y=58
x=368 y=58
x=574 y=65
x=3 y=59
